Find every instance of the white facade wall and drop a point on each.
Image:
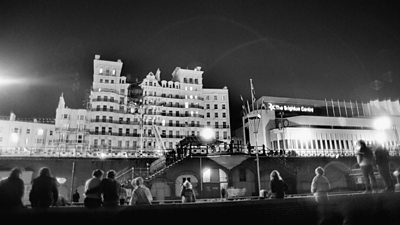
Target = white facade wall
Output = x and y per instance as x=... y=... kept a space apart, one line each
x=24 y=137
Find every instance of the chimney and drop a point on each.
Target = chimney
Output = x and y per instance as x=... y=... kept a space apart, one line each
x=12 y=116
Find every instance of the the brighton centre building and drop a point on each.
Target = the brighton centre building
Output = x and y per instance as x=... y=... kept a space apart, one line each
x=306 y=127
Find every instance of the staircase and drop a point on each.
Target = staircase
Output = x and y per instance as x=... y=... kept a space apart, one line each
x=161 y=171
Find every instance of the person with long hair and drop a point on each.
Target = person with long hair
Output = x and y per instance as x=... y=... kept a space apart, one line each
x=12 y=190
x=365 y=158
x=277 y=186
x=44 y=192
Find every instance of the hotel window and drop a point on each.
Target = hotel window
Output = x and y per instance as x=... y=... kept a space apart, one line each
x=104 y=108
x=98 y=108
x=110 y=130
x=79 y=138
x=95 y=143
x=177 y=123
x=223 y=115
x=96 y=130
x=207 y=97
x=127 y=131
x=101 y=80
x=191 y=88
x=225 y=135
x=113 y=72
x=127 y=144
x=185 y=81
x=110 y=119
x=97 y=118
x=51 y=133
x=196 y=81
x=177 y=134
x=215 y=106
x=170 y=134
x=224 y=125
x=112 y=81
x=208 y=123
x=216 y=124
x=119 y=144
x=98 y=98
x=134 y=131
x=186 y=105
x=104 y=119
x=65 y=116
x=223 y=106
x=134 y=144
x=111 y=108
x=106 y=81
x=28 y=131
x=193 y=133
x=103 y=130
x=119 y=131
x=224 y=97
x=101 y=71
x=215 y=97
x=216 y=115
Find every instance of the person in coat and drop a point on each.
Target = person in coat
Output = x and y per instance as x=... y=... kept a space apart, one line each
x=278 y=187
x=187 y=192
x=12 y=190
x=44 y=192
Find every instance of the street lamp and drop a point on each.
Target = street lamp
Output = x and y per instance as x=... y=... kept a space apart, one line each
x=256 y=123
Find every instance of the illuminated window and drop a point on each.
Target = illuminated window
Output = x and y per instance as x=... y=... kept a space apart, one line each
x=113 y=72
x=101 y=71
x=186 y=104
x=191 y=88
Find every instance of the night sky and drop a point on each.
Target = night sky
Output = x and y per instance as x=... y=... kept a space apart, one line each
x=346 y=50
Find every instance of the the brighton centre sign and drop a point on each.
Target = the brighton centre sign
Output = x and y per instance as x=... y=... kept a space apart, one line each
x=290 y=108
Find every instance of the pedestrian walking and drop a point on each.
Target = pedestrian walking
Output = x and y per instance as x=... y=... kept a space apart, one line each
x=320 y=186
x=365 y=159
x=92 y=190
x=44 y=192
x=76 y=196
x=278 y=187
x=12 y=190
x=187 y=192
x=382 y=161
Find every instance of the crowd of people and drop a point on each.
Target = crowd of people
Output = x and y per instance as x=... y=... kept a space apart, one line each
x=108 y=192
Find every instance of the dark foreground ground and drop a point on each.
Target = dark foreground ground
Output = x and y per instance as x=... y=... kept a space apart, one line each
x=343 y=209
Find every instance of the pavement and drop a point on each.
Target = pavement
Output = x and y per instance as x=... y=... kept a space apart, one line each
x=343 y=208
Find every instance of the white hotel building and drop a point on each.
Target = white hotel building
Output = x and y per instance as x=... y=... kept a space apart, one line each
x=320 y=127
x=114 y=126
